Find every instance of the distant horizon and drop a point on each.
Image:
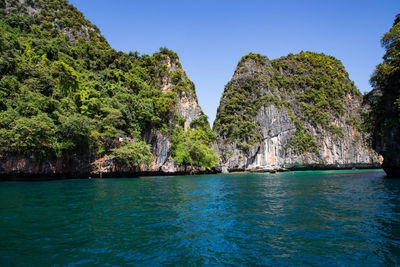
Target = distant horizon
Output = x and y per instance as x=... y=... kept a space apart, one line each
x=211 y=37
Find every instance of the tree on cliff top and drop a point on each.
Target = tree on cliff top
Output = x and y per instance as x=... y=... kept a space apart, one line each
x=64 y=92
x=385 y=97
x=386 y=77
x=384 y=117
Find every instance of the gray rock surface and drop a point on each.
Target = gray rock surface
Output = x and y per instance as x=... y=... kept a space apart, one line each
x=276 y=127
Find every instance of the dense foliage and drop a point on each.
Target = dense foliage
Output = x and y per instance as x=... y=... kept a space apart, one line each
x=312 y=87
x=193 y=147
x=384 y=117
x=133 y=154
x=65 y=92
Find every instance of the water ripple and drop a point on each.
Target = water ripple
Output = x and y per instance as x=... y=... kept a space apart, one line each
x=299 y=218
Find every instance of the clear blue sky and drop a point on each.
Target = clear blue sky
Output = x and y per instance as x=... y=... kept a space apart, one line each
x=210 y=36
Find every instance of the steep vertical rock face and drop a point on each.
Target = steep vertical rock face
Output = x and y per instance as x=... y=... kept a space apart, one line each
x=175 y=80
x=295 y=112
x=186 y=107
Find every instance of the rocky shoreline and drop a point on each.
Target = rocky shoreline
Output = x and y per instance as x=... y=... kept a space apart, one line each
x=25 y=172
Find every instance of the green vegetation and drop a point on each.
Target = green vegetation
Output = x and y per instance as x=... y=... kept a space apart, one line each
x=257 y=58
x=133 y=154
x=320 y=83
x=193 y=147
x=65 y=92
x=235 y=119
x=302 y=142
x=384 y=118
x=311 y=87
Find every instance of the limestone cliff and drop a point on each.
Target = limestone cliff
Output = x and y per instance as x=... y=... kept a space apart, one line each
x=296 y=112
x=186 y=109
x=171 y=80
x=384 y=116
x=71 y=106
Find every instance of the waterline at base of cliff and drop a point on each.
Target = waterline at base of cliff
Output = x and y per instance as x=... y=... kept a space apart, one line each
x=82 y=171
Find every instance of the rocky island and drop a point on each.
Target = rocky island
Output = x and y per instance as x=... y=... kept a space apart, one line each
x=296 y=112
x=72 y=106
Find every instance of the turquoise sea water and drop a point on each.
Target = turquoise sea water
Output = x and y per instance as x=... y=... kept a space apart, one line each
x=318 y=218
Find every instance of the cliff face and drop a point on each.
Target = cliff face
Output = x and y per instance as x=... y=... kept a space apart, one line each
x=185 y=107
x=387 y=136
x=384 y=100
x=295 y=112
x=71 y=106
